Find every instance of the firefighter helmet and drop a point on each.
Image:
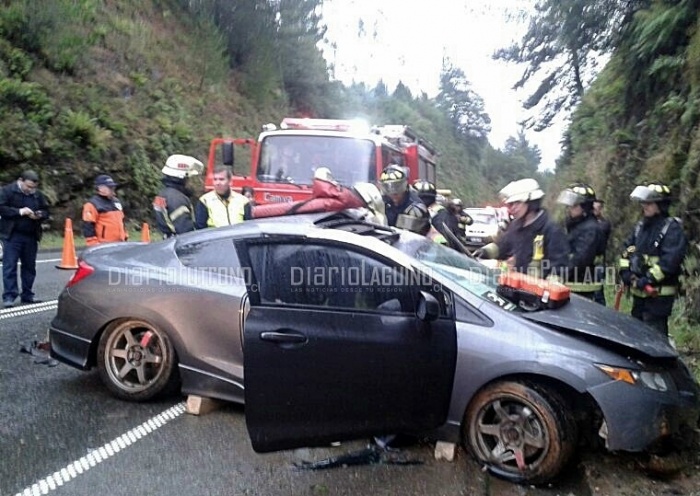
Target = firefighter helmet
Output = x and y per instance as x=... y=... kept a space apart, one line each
x=426 y=191
x=577 y=194
x=373 y=199
x=456 y=204
x=654 y=192
x=522 y=190
x=393 y=180
x=182 y=166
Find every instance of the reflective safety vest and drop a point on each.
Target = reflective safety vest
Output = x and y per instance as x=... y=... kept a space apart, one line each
x=224 y=212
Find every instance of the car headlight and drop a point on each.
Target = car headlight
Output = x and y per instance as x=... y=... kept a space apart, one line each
x=658 y=381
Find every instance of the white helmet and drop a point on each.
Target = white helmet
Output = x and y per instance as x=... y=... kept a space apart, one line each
x=182 y=166
x=522 y=190
x=373 y=199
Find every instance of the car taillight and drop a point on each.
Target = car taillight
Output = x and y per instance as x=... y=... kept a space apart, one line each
x=83 y=271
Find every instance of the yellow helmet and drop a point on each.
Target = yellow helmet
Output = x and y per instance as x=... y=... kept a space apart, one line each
x=393 y=180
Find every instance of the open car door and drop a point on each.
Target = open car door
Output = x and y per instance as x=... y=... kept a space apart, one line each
x=333 y=352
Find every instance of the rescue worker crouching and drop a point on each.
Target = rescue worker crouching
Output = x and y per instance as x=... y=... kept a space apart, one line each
x=651 y=261
x=172 y=206
x=584 y=239
x=532 y=243
x=441 y=219
x=103 y=215
x=404 y=209
x=221 y=206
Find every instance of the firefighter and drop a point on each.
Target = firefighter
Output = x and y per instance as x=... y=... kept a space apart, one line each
x=456 y=207
x=221 y=206
x=441 y=219
x=532 y=243
x=173 y=207
x=650 y=265
x=404 y=209
x=584 y=238
x=601 y=258
x=103 y=216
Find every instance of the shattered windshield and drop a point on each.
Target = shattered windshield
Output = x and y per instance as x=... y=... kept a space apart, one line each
x=293 y=159
x=463 y=270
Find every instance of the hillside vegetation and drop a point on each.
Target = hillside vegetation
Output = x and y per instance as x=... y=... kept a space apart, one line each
x=89 y=87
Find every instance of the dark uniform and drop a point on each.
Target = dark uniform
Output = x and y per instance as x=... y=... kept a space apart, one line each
x=173 y=207
x=651 y=262
x=403 y=207
x=20 y=235
x=443 y=222
x=539 y=248
x=583 y=237
x=605 y=228
x=410 y=206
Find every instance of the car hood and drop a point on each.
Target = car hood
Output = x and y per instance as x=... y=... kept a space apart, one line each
x=586 y=317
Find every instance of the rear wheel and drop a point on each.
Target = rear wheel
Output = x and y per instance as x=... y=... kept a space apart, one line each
x=522 y=433
x=137 y=361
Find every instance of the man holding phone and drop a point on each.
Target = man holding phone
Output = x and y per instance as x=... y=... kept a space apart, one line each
x=22 y=210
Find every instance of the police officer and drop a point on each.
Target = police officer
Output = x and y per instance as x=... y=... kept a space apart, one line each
x=532 y=243
x=173 y=207
x=103 y=216
x=584 y=238
x=651 y=262
x=441 y=219
x=221 y=206
x=404 y=209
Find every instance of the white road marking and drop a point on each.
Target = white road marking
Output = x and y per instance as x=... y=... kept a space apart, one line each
x=20 y=310
x=95 y=456
x=48 y=260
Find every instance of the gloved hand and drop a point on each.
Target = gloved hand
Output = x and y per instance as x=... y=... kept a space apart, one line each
x=642 y=283
x=626 y=276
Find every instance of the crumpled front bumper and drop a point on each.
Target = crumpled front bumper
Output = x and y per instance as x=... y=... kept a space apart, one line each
x=637 y=417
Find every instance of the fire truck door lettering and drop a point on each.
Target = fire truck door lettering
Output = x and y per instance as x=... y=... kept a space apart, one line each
x=269 y=197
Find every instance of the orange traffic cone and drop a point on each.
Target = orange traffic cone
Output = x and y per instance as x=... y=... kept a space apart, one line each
x=146 y=233
x=68 y=259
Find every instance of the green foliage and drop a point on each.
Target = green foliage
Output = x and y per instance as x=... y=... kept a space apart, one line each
x=84 y=131
x=14 y=62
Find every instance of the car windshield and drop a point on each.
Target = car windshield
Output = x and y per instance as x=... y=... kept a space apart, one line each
x=293 y=158
x=463 y=270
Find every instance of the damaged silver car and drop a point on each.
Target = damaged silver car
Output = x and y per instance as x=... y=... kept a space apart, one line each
x=330 y=328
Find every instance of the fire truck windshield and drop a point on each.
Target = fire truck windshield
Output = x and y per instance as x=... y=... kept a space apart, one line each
x=293 y=158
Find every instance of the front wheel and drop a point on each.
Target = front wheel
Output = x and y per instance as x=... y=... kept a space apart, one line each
x=520 y=433
x=137 y=361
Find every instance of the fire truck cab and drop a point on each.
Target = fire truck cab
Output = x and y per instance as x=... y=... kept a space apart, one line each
x=284 y=159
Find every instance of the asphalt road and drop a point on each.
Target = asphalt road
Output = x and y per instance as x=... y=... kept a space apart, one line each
x=61 y=433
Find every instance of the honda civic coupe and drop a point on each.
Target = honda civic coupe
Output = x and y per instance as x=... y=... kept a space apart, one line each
x=332 y=328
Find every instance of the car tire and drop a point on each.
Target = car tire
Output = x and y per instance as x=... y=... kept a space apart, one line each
x=137 y=361
x=521 y=432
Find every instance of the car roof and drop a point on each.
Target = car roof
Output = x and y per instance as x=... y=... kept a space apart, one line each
x=297 y=225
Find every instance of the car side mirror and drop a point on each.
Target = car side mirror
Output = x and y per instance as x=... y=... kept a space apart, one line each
x=428 y=308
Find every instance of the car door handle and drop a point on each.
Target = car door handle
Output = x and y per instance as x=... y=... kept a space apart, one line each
x=282 y=337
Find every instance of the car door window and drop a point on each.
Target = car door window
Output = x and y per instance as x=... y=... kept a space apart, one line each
x=329 y=276
x=216 y=256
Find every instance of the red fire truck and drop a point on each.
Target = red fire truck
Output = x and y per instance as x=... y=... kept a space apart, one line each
x=283 y=160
